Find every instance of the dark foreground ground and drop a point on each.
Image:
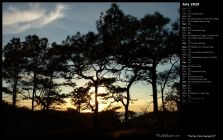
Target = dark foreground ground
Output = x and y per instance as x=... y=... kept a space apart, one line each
x=21 y=123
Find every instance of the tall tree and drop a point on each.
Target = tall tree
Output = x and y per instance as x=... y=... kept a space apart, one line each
x=13 y=65
x=170 y=77
x=153 y=48
x=139 y=45
x=35 y=49
x=118 y=32
x=54 y=63
x=88 y=60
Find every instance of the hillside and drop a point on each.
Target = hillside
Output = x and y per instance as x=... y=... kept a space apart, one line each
x=23 y=124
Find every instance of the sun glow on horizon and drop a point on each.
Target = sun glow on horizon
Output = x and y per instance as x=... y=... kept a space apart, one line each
x=136 y=106
x=102 y=104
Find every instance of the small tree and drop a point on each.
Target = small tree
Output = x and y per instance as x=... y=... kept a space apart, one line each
x=80 y=97
x=49 y=96
x=168 y=78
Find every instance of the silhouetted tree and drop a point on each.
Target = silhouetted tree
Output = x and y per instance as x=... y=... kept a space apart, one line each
x=118 y=93
x=118 y=32
x=88 y=60
x=155 y=48
x=55 y=59
x=49 y=96
x=81 y=98
x=13 y=66
x=139 y=45
x=35 y=49
x=1 y=97
x=167 y=78
x=170 y=77
x=172 y=98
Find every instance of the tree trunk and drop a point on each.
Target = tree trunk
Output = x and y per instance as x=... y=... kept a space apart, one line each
x=44 y=108
x=128 y=96
x=127 y=106
x=34 y=90
x=49 y=92
x=96 y=104
x=79 y=108
x=154 y=87
x=163 y=105
x=14 y=94
x=1 y=98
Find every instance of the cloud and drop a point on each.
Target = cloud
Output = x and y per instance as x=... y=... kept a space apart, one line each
x=17 y=21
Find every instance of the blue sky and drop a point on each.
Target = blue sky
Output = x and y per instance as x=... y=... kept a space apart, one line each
x=57 y=20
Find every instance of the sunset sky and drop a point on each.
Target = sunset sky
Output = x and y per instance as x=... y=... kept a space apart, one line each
x=58 y=20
